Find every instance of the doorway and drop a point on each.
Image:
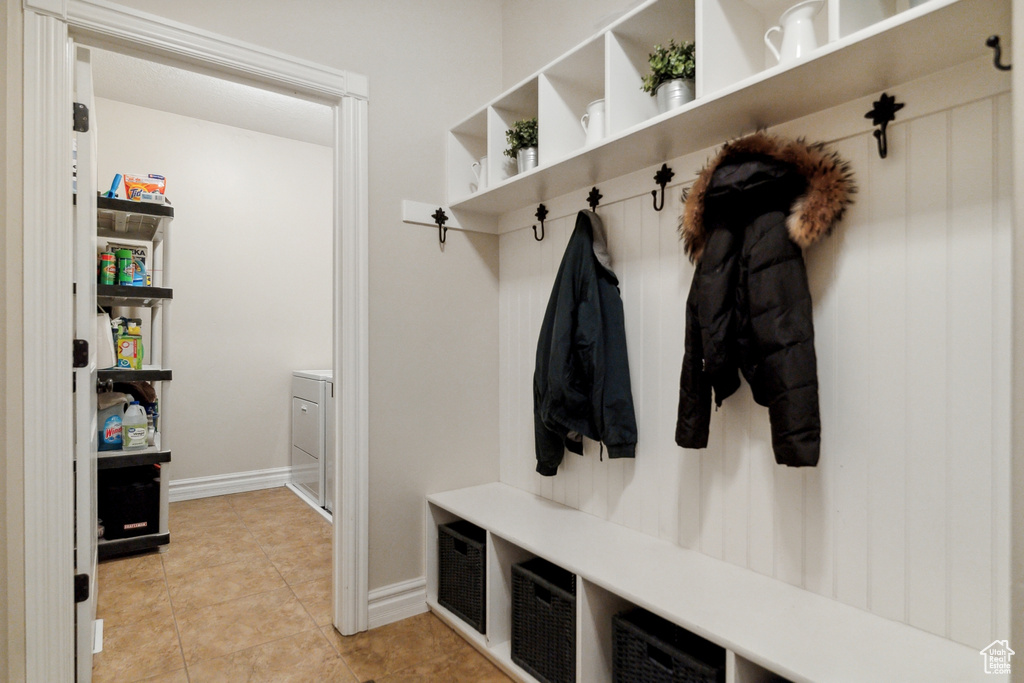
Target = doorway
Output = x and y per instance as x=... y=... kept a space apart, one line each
x=48 y=39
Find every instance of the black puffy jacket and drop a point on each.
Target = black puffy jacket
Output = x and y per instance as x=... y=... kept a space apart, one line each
x=744 y=224
x=581 y=382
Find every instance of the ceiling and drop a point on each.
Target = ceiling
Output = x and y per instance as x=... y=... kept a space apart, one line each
x=181 y=91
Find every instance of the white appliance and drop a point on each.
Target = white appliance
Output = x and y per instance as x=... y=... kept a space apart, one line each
x=313 y=443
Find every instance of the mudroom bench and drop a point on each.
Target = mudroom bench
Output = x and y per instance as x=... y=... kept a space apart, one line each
x=767 y=626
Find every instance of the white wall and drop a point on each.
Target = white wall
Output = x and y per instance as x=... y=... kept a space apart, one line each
x=433 y=315
x=251 y=258
x=906 y=514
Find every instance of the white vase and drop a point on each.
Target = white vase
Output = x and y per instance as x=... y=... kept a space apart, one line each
x=593 y=122
x=797 y=28
x=480 y=171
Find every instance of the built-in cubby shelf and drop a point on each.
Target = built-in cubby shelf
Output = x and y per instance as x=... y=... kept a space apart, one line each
x=768 y=627
x=865 y=46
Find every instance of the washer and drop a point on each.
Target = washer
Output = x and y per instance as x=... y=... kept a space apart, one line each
x=312 y=435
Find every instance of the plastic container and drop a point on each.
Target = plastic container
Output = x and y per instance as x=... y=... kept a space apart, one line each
x=109 y=413
x=108 y=268
x=125 y=267
x=128 y=501
x=134 y=427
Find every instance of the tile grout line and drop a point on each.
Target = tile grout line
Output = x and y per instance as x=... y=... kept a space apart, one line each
x=174 y=618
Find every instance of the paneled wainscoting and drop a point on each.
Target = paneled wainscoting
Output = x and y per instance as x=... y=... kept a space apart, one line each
x=907 y=514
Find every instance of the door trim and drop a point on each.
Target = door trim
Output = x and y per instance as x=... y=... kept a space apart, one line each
x=48 y=307
x=46 y=336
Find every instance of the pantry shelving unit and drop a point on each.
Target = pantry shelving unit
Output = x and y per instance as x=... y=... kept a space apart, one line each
x=736 y=608
x=120 y=219
x=865 y=46
x=768 y=627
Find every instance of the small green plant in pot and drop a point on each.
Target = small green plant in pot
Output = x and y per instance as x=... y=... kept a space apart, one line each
x=522 y=143
x=673 y=70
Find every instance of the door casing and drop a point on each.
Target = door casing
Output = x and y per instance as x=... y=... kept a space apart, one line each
x=48 y=501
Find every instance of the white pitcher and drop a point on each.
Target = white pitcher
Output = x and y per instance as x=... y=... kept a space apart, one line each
x=593 y=122
x=480 y=171
x=797 y=29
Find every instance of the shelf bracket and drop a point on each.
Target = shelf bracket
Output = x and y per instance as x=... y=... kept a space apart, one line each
x=542 y=213
x=882 y=114
x=662 y=178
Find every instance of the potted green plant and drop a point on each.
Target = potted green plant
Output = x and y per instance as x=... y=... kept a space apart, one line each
x=673 y=70
x=522 y=143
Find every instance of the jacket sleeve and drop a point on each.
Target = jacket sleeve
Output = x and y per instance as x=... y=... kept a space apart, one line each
x=617 y=418
x=786 y=376
x=549 y=446
x=694 y=416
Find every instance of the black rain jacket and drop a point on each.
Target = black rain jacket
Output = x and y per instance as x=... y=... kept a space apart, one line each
x=581 y=382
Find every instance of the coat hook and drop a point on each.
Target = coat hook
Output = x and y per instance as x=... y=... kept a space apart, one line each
x=594 y=198
x=662 y=178
x=440 y=218
x=542 y=213
x=993 y=42
x=883 y=112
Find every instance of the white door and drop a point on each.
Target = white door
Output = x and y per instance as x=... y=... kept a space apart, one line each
x=85 y=377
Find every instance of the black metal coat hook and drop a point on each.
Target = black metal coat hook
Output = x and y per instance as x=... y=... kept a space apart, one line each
x=542 y=213
x=594 y=198
x=997 y=58
x=883 y=112
x=440 y=218
x=662 y=178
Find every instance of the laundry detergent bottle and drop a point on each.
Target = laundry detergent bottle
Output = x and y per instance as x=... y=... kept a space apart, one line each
x=134 y=427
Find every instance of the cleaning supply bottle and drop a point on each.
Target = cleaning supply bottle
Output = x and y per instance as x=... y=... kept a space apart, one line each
x=134 y=427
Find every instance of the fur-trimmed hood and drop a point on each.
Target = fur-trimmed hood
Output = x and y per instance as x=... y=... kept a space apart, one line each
x=813 y=214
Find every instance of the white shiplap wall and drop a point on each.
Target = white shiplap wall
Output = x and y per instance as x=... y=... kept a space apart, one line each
x=906 y=515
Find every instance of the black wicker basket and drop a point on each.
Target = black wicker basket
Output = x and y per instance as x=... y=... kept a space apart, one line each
x=648 y=649
x=461 y=571
x=544 y=620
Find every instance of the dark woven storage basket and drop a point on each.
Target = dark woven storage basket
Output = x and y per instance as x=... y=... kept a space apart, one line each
x=648 y=649
x=544 y=621
x=461 y=571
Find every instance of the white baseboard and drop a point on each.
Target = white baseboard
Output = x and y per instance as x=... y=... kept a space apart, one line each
x=397 y=601
x=223 y=484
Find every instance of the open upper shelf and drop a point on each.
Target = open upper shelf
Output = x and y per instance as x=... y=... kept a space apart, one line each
x=893 y=50
x=122 y=218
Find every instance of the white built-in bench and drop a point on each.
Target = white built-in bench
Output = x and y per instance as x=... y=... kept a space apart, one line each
x=766 y=625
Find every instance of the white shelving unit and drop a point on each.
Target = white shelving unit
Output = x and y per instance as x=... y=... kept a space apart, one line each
x=122 y=219
x=768 y=627
x=866 y=46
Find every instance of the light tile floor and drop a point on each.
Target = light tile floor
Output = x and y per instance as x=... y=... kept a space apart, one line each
x=243 y=593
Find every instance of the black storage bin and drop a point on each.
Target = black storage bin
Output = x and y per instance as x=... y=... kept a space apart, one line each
x=128 y=501
x=648 y=649
x=461 y=572
x=544 y=620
